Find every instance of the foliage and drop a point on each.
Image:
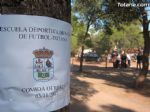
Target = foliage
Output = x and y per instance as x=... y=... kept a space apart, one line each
x=117 y=15
x=129 y=37
x=78 y=34
x=78 y=29
x=88 y=12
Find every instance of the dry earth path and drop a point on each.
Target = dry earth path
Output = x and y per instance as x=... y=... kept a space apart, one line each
x=98 y=89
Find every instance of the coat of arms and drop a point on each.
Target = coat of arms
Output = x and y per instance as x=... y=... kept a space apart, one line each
x=43 y=65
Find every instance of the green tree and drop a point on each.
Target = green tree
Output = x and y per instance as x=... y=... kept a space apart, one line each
x=129 y=37
x=78 y=29
x=88 y=11
x=74 y=40
x=102 y=42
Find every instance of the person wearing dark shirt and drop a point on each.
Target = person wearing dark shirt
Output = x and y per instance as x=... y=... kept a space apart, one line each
x=123 y=60
x=114 y=56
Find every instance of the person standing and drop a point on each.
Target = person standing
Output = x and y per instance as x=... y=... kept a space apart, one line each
x=129 y=59
x=114 y=56
x=123 y=60
x=118 y=61
x=106 y=58
x=139 y=60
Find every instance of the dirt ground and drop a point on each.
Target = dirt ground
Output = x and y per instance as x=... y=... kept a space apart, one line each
x=100 y=89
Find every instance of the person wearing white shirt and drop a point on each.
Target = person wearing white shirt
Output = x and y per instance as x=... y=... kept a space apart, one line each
x=129 y=59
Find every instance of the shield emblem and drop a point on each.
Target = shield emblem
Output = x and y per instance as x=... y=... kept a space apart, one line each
x=43 y=65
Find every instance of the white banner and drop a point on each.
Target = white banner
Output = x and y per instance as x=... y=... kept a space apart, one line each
x=34 y=63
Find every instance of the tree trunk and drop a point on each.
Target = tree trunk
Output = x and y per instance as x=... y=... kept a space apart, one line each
x=82 y=47
x=60 y=9
x=145 y=60
x=81 y=59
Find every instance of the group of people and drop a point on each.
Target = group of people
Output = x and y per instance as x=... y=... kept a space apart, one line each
x=123 y=59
